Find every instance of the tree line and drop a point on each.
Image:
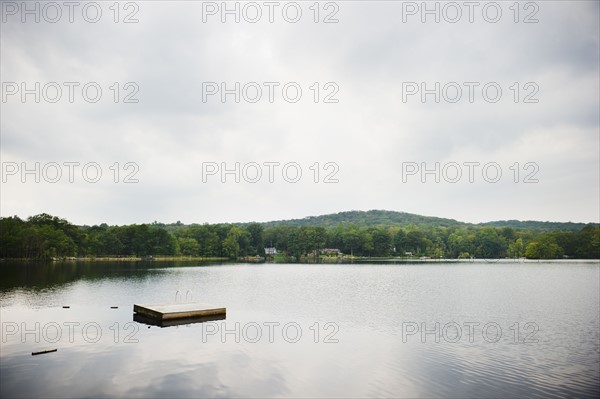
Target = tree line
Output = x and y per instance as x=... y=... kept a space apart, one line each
x=44 y=236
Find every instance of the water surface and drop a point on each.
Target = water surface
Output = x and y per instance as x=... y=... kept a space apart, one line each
x=426 y=330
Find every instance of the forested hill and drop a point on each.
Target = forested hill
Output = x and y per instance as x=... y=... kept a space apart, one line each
x=373 y=218
x=536 y=225
x=379 y=218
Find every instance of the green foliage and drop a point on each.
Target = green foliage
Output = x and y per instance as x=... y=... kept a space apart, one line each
x=381 y=218
x=382 y=242
x=416 y=242
x=366 y=219
x=516 y=249
x=44 y=236
x=41 y=236
x=231 y=245
x=257 y=244
x=12 y=233
x=489 y=244
x=588 y=240
x=542 y=250
x=188 y=246
x=535 y=225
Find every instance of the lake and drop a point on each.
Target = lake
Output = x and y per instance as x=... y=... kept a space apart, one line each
x=482 y=329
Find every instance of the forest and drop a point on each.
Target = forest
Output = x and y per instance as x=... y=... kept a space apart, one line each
x=45 y=236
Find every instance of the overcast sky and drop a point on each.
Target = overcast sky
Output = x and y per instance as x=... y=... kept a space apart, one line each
x=374 y=141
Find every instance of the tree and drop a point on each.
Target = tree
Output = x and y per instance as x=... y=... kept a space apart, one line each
x=231 y=247
x=237 y=240
x=400 y=242
x=439 y=248
x=382 y=242
x=352 y=241
x=588 y=243
x=416 y=242
x=315 y=239
x=490 y=244
x=257 y=243
x=543 y=249
x=159 y=242
x=367 y=245
x=188 y=246
x=461 y=243
x=12 y=230
x=516 y=249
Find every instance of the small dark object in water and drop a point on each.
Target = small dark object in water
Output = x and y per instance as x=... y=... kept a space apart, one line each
x=66 y=307
x=114 y=307
x=44 y=351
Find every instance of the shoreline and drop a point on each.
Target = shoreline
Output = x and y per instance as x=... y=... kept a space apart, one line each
x=118 y=259
x=324 y=260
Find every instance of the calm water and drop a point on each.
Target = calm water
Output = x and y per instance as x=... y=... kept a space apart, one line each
x=426 y=330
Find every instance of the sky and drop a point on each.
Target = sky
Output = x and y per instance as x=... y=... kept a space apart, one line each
x=176 y=111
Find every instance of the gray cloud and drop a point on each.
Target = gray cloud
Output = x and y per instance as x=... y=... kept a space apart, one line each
x=170 y=132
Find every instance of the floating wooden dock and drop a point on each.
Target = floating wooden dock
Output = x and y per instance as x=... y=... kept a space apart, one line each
x=178 y=311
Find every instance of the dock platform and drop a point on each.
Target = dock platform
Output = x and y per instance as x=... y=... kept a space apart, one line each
x=178 y=311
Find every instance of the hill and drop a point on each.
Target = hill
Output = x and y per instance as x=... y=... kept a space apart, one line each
x=537 y=225
x=370 y=218
x=381 y=218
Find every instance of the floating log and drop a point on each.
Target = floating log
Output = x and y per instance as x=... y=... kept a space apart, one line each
x=44 y=351
x=66 y=307
x=114 y=307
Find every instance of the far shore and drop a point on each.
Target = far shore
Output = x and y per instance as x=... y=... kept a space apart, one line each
x=118 y=259
x=278 y=259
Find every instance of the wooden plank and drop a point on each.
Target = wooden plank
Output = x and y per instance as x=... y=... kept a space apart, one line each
x=178 y=311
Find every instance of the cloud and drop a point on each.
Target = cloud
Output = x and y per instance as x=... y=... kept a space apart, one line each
x=170 y=54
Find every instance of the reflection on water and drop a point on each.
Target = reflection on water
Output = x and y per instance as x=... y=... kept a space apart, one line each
x=40 y=275
x=427 y=330
x=140 y=318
